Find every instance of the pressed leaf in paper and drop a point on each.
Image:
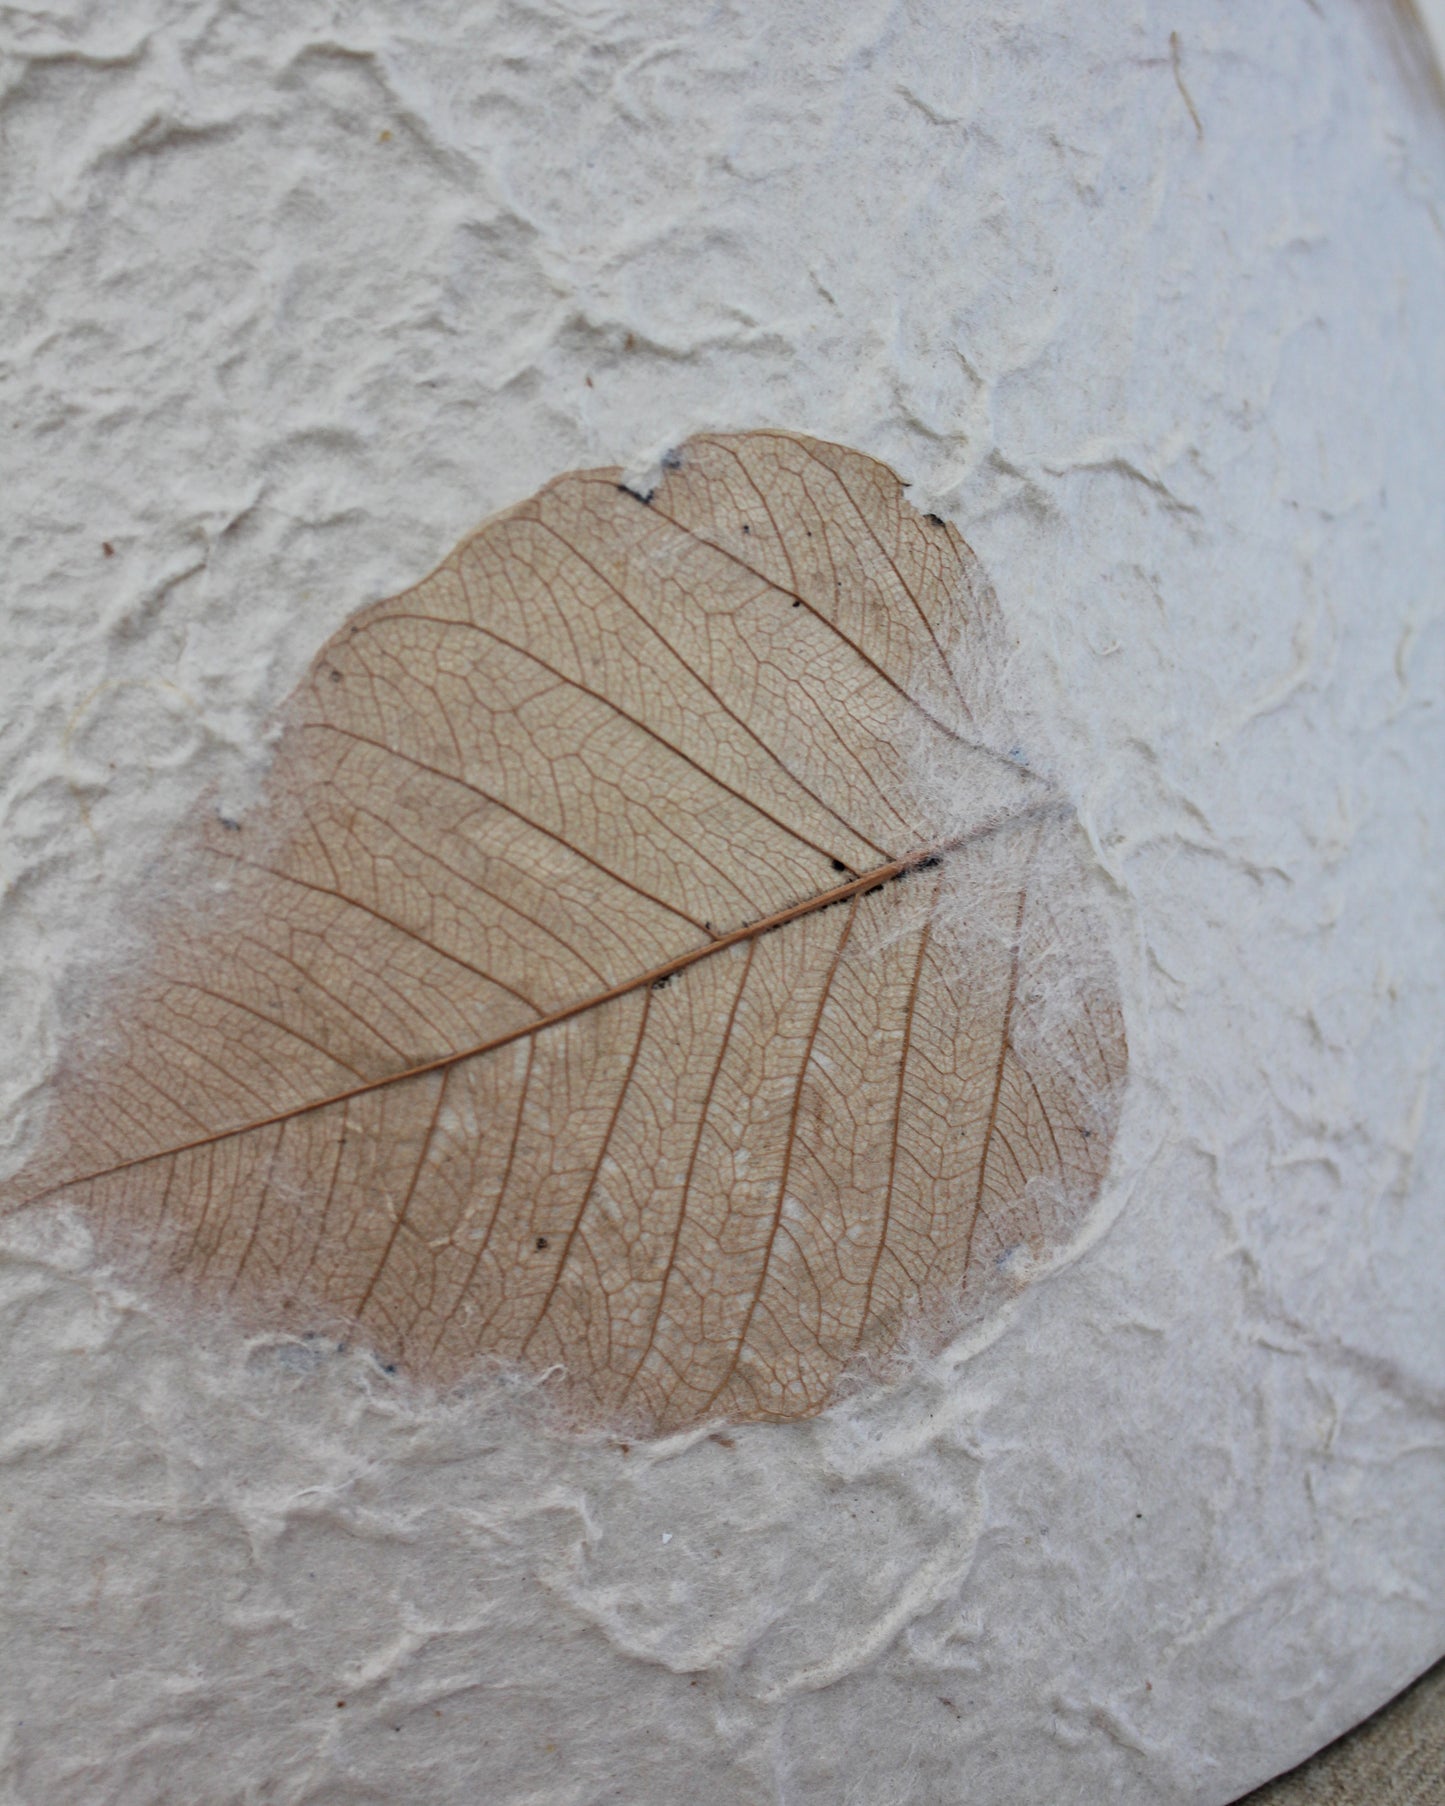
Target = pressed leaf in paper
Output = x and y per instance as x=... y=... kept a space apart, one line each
x=649 y=962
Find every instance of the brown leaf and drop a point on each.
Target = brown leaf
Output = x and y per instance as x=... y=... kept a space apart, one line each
x=646 y=961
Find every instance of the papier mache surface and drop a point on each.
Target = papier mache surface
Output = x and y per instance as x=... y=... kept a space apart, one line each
x=1149 y=312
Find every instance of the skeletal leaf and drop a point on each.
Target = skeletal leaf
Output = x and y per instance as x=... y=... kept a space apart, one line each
x=649 y=962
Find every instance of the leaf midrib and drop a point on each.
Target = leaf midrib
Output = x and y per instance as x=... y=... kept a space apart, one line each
x=655 y=975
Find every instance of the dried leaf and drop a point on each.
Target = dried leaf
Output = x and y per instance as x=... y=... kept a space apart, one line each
x=646 y=961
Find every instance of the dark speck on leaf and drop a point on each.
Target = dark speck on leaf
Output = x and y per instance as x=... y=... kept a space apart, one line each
x=838 y=865
x=228 y=821
x=107 y=548
x=936 y=519
x=661 y=984
x=672 y=460
x=643 y=496
x=541 y=1241
x=746 y=527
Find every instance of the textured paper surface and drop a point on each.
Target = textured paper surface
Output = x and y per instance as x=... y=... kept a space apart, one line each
x=1396 y=1758
x=1151 y=308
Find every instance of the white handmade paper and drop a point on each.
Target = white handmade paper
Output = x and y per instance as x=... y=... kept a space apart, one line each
x=1152 y=307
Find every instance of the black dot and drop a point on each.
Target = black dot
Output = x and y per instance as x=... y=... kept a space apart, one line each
x=541 y=1241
